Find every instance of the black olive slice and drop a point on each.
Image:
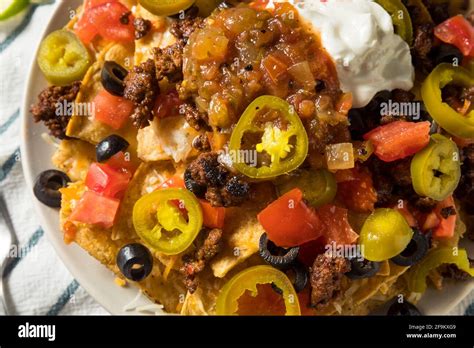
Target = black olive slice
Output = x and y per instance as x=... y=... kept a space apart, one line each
x=445 y=53
x=193 y=186
x=47 y=187
x=275 y=256
x=135 y=261
x=112 y=78
x=300 y=276
x=415 y=251
x=109 y=147
x=403 y=309
x=362 y=268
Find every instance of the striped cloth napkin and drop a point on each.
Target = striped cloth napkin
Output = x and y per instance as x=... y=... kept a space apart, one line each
x=37 y=283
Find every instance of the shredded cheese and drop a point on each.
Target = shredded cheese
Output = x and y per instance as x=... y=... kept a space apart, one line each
x=169 y=267
x=120 y=282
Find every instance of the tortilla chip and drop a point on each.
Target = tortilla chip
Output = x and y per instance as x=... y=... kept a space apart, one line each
x=158 y=36
x=242 y=232
x=372 y=285
x=203 y=300
x=74 y=158
x=93 y=239
x=85 y=127
x=459 y=230
x=361 y=296
x=394 y=288
x=384 y=269
x=193 y=304
x=146 y=179
x=169 y=138
x=99 y=244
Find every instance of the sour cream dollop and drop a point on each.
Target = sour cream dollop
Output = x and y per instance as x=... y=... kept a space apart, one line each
x=359 y=36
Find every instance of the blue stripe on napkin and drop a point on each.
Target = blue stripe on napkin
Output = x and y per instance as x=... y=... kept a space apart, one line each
x=18 y=30
x=7 y=167
x=34 y=239
x=9 y=122
x=64 y=298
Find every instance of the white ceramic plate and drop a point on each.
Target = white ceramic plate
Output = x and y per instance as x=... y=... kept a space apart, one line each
x=93 y=277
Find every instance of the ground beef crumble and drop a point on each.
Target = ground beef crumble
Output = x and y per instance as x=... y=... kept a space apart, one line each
x=209 y=179
x=326 y=276
x=392 y=181
x=169 y=62
x=209 y=243
x=45 y=109
x=422 y=45
x=196 y=119
x=201 y=143
x=141 y=87
x=141 y=84
x=182 y=28
x=142 y=27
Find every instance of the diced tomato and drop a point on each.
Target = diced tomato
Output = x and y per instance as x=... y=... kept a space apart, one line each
x=175 y=181
x=93 y=3
x=309 y=251
x=106 y=181
x=447 y=225
x=403 y=209
x=111 y=110
x=289 y=222
x=357 y=190
x=167 y=104
x=95 y=209
x=259 y=4
x=213 y=217
x=431 y=221
x=274 y=67
x=85 y=30
x=107 y=20
x=445 y=228
x=304 y=298
x=399 y=139
x=459 y=32
x=266 y=302
x=336 y=226
x=345 y=103
x=121 y=162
